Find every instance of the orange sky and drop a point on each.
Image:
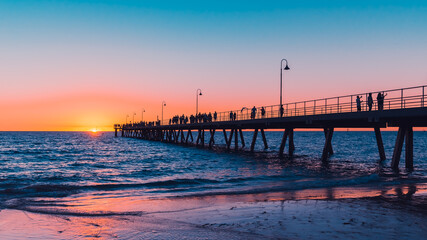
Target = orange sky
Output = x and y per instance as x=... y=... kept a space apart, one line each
x=76 y=66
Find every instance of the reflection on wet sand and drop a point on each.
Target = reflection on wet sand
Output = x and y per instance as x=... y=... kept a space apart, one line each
x=110 y=204
x=104 y=216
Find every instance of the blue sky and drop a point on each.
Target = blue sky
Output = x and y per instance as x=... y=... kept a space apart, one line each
x=231 y=49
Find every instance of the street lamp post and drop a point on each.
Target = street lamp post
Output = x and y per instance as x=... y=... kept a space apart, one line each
x=281 y=73
x=163 y=104
x=127 y=115
x=142 y=115
x=133 y=117
x=198 y=92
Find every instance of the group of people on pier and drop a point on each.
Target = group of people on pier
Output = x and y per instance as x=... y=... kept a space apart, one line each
x=254 y=110
x=370 y=101
x=142 y=124
x=198 y=118
x=209 y=117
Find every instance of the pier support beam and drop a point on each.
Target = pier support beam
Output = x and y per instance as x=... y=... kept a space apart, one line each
x=176 y=135
x=182 y=136
x=189 y=134
x=254 y=140
x=380 y=143
x=236 y=140
x=330 y=149
x=398 y=147
x=405 y=134
x=409 y=148
x=212 y=139
x=283 y=144
x=241 y=138
x=229 y=140
x=328 y=144
x=264 y=139
x=291 y=142
x=201 y=138
x=198 y=137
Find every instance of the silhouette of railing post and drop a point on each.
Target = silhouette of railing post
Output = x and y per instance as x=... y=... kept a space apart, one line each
x=326 y=104
x=304 y=109
x=295 y=109
x=338 y=104
x=422 y=101
x=401 y=98
x=314 y=111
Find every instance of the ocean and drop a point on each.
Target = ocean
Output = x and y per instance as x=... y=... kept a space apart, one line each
x=52 y=172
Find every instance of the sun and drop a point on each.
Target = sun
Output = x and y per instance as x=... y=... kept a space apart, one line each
x=94 y=130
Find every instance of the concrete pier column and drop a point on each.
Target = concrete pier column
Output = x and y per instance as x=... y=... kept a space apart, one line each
x=254 y=140
x=283 y=144
x=291 y=142
x=264 y=139
x=241 y=138
x=409 y=148
x=380 y=143
x=328 y=144
x=398 y=147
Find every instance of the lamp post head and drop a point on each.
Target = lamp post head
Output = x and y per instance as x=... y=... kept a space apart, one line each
x=286 y=67
x=200 y=93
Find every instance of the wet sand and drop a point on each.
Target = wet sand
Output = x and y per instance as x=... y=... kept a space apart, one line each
x=398 y=213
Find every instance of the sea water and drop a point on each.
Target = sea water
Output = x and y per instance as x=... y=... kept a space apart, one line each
x=55 y=166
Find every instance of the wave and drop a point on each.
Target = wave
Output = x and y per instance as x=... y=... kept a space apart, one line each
x=297 y=185
x=49 y=207
x=60 y=190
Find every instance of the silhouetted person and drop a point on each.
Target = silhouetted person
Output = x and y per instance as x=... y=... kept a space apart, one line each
x=370 y=101
x=281 y=110
x=359 y=103
x=262 y=112
x=231 y=116
x=235 y=116
x=380 y=99
x=215 y=116
x=253 y=112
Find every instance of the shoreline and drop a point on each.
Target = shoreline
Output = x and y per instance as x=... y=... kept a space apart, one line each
x=310 y=214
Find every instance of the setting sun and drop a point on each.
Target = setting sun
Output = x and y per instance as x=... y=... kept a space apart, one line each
x=94 y=130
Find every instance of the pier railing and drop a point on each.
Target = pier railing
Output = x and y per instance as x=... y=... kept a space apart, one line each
x=411 y=97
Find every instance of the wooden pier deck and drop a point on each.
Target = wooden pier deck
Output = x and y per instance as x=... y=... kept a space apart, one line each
x=403 y=108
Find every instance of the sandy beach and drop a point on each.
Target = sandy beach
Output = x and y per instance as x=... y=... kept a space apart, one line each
x=399 y=213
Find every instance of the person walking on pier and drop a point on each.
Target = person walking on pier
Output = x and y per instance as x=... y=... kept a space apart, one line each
x=370 y=101
x=234 y=116
x=281 y=110
x=359 y=103
x=231 y=116
x=262 y=112
x=215 y=116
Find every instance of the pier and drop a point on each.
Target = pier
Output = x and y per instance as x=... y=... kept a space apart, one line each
x=402 y=108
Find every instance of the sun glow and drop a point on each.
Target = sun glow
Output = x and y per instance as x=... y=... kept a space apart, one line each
x=94 y=130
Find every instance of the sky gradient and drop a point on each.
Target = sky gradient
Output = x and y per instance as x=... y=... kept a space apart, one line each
x=77 y=65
